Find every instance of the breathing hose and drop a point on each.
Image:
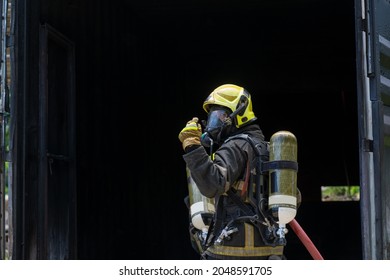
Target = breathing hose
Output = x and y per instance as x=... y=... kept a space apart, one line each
x=316 y=255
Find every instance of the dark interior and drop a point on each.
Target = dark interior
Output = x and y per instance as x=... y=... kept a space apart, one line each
x=144 y=68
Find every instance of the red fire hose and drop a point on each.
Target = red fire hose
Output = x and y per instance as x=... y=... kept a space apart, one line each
x=305 y=240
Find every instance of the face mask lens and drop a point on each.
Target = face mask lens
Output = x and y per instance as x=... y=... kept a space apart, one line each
x=216 y=119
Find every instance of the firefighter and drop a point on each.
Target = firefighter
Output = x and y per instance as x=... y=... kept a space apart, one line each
x=217 y=166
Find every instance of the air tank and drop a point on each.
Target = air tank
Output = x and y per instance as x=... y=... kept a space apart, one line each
x=283 y=177
x=201 y=208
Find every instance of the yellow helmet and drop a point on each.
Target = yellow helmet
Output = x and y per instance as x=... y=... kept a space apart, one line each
x=234 y=97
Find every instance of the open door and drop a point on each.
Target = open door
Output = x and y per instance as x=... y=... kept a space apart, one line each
x=57 y=153
x=373 y=88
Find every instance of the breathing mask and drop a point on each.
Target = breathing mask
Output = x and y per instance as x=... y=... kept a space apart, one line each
x=217 y=122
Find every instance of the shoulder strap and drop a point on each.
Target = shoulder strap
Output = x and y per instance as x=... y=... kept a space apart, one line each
x=258 y=172
x=260 y=148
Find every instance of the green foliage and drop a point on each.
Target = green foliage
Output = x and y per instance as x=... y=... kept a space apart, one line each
x=340 y=193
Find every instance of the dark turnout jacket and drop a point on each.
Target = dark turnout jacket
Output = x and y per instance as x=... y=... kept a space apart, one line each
x=214 y=177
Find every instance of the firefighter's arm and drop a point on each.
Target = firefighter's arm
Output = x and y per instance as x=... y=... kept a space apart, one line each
x=216 y=176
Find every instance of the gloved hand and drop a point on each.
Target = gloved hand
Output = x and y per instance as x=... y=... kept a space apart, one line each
x=190 y=134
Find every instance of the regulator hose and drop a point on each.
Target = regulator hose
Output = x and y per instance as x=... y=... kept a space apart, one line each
x=316 y=255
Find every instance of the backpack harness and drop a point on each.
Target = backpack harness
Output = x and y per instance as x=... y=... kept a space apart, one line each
x=256 y=182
